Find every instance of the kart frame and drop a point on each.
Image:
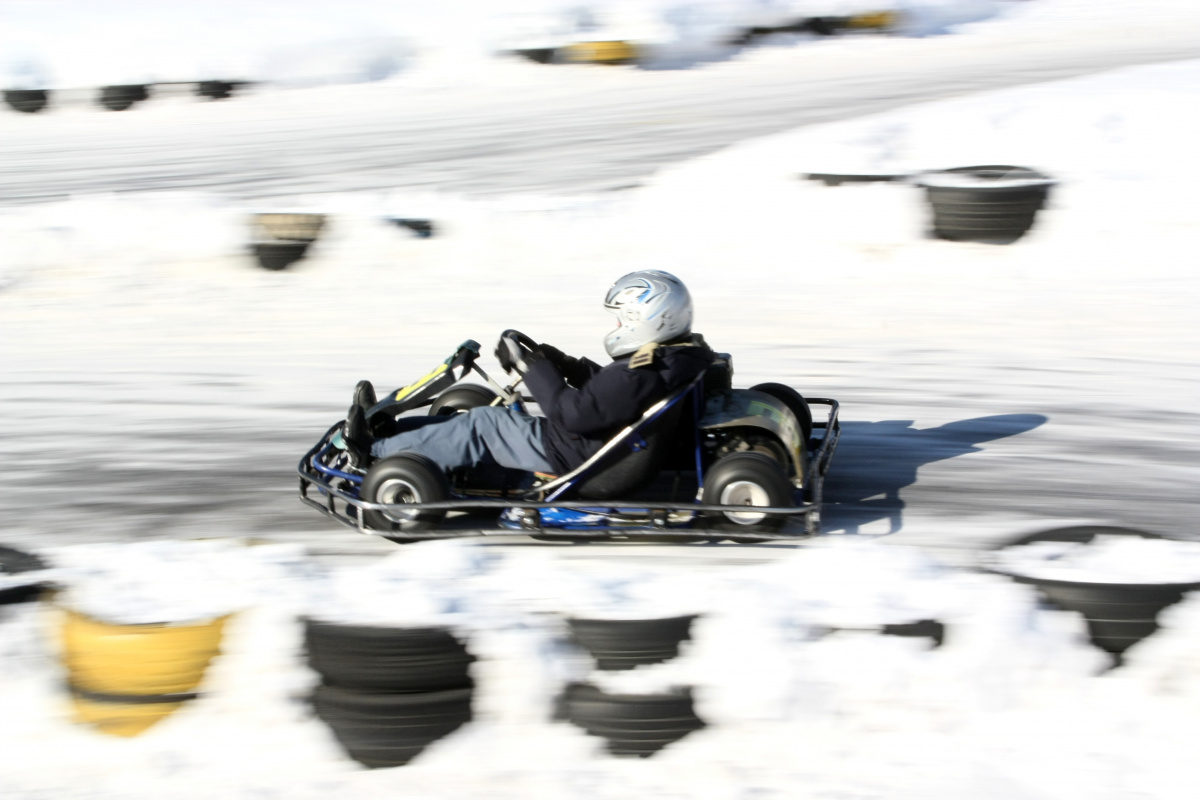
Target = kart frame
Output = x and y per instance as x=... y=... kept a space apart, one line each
x=536 y=509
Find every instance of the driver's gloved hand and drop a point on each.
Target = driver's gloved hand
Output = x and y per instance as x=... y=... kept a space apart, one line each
x=555 y=356
x=512 y=355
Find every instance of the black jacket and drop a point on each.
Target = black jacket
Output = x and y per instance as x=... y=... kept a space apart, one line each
x=586 y=404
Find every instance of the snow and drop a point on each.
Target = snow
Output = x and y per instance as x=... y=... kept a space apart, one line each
x=783 y=657
x=150 y=303
x=1107 y=559
x=72 y=44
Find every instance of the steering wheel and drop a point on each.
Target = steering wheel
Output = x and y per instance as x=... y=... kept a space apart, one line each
x=514 y=350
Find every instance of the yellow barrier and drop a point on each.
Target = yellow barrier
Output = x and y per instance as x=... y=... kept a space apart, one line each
x=616 y=52
x=876 y=20
x=125 y=678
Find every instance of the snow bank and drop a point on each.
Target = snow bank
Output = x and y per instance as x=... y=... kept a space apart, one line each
x=1106 y=559
x=68 y=43
x=786 y=655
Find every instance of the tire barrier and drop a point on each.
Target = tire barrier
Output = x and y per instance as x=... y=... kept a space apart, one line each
x=989 y=204
x=16 y=562
x=631 y=724
x=421 y=228
x=119 y=98
x=838 y=178
x=280 y=239
x=27 y=101
x=125 y=678
x=1118 y=615
x=390 y=729
x=388 y=693
x=372 y=659
x=612 y=53
x=621 y=644
x=928 y=628
x=215 y=90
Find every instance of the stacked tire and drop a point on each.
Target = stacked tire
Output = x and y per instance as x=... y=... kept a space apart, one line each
x=621 y=644
x=280 y=239
x=992 y=204
x=388 y=693
x=1118 y=615
x=631 y=724
x=18 y=576
x=120 y=97
x=27 y=101
x=125 y=679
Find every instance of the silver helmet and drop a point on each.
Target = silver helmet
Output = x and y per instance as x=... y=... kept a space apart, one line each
x=651 y=306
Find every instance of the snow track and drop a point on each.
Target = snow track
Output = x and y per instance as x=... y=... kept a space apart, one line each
x=156 y=383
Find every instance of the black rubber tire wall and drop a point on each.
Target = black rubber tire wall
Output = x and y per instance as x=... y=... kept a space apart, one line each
x=389 y=730
x=380 y=659
x=632 y=725
x=620 y=644
x=978 y=212
x=27 y=101
x=1118 y=615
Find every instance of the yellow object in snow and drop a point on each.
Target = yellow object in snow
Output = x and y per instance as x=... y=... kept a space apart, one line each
x=120 y=719
x=876 y=19
x=616 y=52
x=125 y=678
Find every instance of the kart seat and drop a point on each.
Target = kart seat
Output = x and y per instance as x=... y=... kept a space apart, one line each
x=632 y=459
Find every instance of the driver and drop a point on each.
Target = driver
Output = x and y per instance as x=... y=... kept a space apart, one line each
x=654 y=352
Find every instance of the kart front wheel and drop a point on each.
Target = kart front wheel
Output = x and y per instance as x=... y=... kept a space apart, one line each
x=406 y=478
x=746 y=479
x=461 y=398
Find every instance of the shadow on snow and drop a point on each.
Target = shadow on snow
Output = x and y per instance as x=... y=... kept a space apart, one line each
x=875 y=460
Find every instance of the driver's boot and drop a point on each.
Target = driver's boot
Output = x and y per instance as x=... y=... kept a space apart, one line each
x=364 y=395
x=357 y=437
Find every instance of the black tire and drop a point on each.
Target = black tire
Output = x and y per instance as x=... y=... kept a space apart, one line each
x=619 y=644
x=215 y=90
x=279 y=255
x=13 y=562
x=388 y=730
x=632 y=724
x=929 y=628
x=750 y=479
x=387 y=659
x=119 y=98
x=1118 y=615
x=27 y=101
x=991 y=204
x=461 y=398
x=794 y=401
x=406 y=478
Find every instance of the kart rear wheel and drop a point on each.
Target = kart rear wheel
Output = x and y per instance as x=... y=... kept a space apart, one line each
x=406 y=478
x=461 y=398
x=749 y=479
x=794 y=401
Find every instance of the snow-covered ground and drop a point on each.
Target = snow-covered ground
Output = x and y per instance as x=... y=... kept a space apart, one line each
x=158 y=385
x=66 y=44
x=801 y=693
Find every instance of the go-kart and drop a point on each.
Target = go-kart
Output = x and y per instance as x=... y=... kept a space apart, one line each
x=708 y=462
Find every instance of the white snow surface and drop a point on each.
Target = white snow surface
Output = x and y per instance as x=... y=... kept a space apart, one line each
x=73 y=43
x=783 y=655
x=1106 y=559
